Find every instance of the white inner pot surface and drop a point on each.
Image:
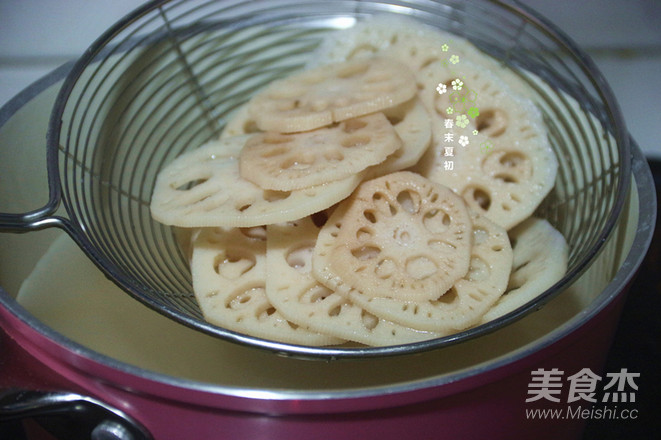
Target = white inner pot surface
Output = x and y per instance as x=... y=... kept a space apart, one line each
x=56 y=282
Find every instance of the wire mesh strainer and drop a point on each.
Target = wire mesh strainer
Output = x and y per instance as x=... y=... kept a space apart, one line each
x=165 y=79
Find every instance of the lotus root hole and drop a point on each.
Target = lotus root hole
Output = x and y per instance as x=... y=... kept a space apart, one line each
x=353 y=125
x=366 y=252
x=420 y=267
x=335 y=311
x=315 y=295
x=369 y=215
x=300 y=257
x=265 y=312
x=256 y=232
x=441 y=247
x=428 y=61
x=513 y=159
x=353 y=70
x=363 y=234
x=356 y=141
x=241 y=300
x=233 y=264
x=478 y=270
x=361 y=50
x=250 y=126
x=413 y=308
x=402 y=236
x=479 y=236
x=275 y=151
x=243 y=207
x=528 y=133
x=334 y=156
x=507 y=178
x=492 y=122
x=436 y=221
x=296 y=163
x=271 y=195
x=369 y=321
x=449 y=297
x=211 y=294
x=409 y=201
x=480 y=198
x=385 y=268
x=191 y=184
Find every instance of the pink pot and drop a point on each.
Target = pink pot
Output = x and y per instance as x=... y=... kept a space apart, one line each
x=481 y=403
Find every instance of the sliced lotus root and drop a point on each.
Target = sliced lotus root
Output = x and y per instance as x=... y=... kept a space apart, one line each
x=469 y=85
x=412 y=124
x=398 y=236
x=333 y=93
x=505 y=170
x=407 y=40
x=286 y=162
x=298 y=296
x=410 y=119
x=239 y=123
x=540 y=260
x=203 y=188
x=229 y=280
x=464 y=303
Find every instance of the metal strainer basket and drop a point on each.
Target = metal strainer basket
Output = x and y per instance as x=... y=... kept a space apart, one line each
x=165 y=79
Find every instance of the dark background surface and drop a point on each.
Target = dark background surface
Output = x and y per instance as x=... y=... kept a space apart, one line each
x=637 y=347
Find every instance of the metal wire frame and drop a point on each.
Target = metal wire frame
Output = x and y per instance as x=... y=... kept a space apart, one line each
x=165 y=79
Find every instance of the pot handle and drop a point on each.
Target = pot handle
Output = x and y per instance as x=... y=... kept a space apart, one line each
x=34 y=220
x=60 y=413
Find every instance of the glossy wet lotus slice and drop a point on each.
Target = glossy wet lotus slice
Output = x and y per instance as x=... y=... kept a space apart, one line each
x=286 y=162
x=468 y=299
x=410 y=120
x=413 y=126
x=204 y=188
x=407 y=40
x=540 y=260
x=398 y=236
x=228 y=268
x=298 y=296
x=507 y=168
x=332 y=93
x=239 y=123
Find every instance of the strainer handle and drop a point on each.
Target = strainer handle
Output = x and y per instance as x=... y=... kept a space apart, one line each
x=41 y=218
x=91 y=418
